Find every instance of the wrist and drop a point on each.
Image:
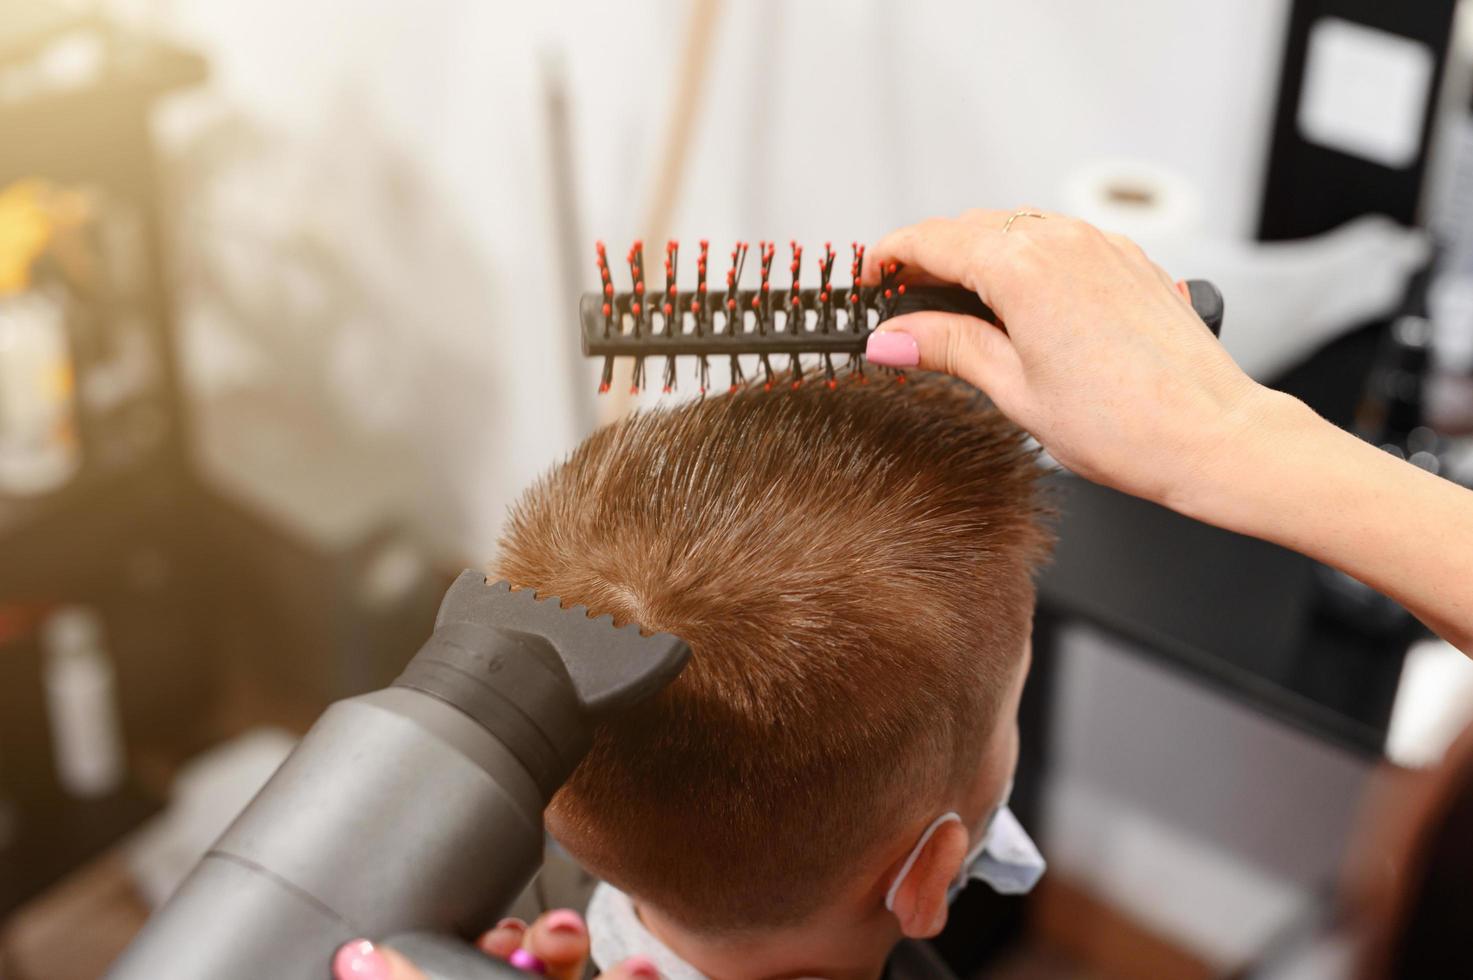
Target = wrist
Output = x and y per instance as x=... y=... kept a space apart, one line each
x=1249 y=459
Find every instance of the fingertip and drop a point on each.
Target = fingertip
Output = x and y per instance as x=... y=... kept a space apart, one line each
x=965 y=347
x=892 y=348
x=564 y=921
x=634 y=968
x=502 y=940
x=559 y=939
x=360 y=960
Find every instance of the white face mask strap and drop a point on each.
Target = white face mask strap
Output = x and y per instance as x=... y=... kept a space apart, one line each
x=915 y=854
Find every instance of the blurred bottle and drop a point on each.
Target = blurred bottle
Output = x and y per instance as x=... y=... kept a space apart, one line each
x=82 y=704
x=39 y=449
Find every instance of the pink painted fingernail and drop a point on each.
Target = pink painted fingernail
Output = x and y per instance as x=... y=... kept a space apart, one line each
x=892 y=348
x=565 y=921
x=511 y=923
x=638 y=966
x=358 y=960
x=525 y=959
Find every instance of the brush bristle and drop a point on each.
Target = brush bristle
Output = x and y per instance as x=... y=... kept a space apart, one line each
x=763 y=319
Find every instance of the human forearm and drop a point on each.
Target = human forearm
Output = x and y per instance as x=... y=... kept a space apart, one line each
x=1296 y=480
x=1108 y=366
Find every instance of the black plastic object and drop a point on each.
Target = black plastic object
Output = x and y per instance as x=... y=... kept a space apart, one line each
x=416 y=809
x=537 y=675
x=840 y=326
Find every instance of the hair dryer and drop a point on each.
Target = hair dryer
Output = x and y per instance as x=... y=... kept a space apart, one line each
x=411 y=815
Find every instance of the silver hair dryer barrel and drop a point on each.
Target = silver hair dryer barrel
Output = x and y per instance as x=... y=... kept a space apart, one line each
x=415 y=809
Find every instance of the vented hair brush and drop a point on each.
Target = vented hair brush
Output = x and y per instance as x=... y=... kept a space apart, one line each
x=826 y=320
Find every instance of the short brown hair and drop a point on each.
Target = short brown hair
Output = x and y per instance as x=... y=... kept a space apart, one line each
x=852 y=570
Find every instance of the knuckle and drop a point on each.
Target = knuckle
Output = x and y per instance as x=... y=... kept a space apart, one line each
x=1019 y=261
x=978 y=258
x=1076 y=231
x=933 y=227
x=1126 y=245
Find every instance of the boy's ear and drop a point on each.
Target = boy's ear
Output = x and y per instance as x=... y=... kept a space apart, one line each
x=920 y=902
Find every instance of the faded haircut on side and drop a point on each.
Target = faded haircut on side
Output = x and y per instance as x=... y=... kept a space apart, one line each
x=853 y=572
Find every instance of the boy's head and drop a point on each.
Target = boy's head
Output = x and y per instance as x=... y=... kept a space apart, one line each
x=852 y=570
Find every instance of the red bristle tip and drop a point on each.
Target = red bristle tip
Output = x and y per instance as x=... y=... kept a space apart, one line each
x=731 y=304
x=666 y=389
x=797 y=385
x=634 y=389
x=732 y=388
x=608 y=310
x=609 y=289
x=667 y=309
x=603 y=389
x=705 y=243
x=854 y=297
x=795 y=301
x=635 y=309
x=823 y=297
x=605 y=271
x=891 y=268
x=639 y=288
x=755 y=302
x=767 y=386
x=638 y=244
x=832 y=384
x=766 y=286
x=902 y=289
x=900 y=379
x=889 y=293
x=702 y=389
x=695 y=306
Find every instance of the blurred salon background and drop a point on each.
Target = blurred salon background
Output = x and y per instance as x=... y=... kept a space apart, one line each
x=287 y=318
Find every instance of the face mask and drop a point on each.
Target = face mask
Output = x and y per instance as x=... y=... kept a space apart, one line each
x=1005 y=858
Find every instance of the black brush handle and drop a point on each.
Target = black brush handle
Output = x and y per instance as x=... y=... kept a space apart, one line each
x=842 y=328
x=1206 y=301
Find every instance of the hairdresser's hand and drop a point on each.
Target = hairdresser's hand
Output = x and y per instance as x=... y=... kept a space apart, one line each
x=556 y=944
x=1103 y=359
x=1105 y=363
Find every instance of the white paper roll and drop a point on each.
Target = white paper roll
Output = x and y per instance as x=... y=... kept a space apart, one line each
x=1136 y=199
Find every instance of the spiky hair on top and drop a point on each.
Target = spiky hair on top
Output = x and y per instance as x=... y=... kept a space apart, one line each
x=852 y=569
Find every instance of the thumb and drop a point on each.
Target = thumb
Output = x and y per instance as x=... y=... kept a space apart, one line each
x=962 y=346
